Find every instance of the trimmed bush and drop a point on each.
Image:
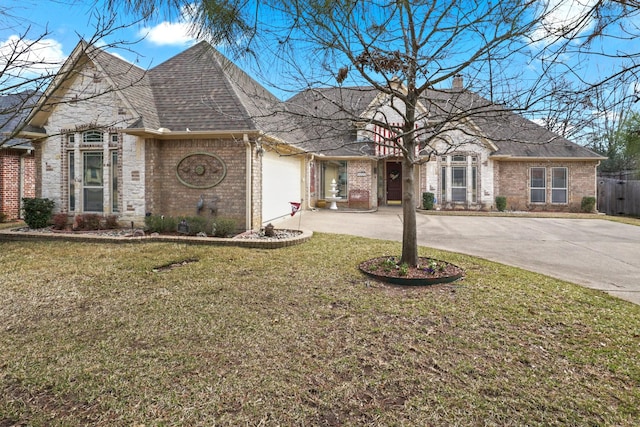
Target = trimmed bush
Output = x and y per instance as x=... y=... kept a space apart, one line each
x=197 y=224
x=37 y=211
x=111 y=222
x=501 y=203
x=160 y=224
x=78 y=223
x=60 y=221
x=588 y=204
x=428 y=200
x=92 y=221
x=223 y=227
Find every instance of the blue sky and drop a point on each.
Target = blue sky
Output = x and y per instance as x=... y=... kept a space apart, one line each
x=68 y=20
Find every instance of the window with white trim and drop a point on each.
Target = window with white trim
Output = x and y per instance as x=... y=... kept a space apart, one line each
x=92 y=172
x=559 y=185
x=458 y=178
x=538 y=185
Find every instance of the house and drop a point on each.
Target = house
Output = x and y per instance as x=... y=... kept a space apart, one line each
x=196 y=135
x=472 y=151
x=188 y=137
x=17 y=161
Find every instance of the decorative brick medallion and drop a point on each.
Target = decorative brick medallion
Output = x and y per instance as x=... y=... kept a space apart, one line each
x=201 y=170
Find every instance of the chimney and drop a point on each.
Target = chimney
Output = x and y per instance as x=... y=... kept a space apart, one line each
x=457 y=81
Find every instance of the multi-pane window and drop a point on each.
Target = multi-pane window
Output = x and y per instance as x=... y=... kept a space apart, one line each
x=92 y=181
x=92 y=172
x=458 y=178
x=459 y=184
x=558 y=185
x=92 y=137
x=538 y=185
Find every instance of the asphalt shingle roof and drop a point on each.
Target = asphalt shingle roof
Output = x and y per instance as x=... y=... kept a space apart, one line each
x=201 y=90
x=329 y=115
x=14 y=108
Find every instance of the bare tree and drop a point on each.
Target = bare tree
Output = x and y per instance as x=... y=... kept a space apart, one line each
x=514 y=53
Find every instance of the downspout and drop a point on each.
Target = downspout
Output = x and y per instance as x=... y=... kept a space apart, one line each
x=248 y=182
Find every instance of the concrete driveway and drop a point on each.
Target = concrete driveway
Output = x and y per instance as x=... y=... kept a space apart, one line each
x=598 y=254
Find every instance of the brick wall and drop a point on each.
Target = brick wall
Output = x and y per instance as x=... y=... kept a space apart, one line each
x=361 y=179
x=17 y=180
x=166 y=195
x=512 y=181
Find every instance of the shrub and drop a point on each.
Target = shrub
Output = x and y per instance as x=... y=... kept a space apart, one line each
x=111 y=222
x=78 y=222
x=428 y=199
x=37 y=211
x=160 y=224
x=60 y=221
x=501 y=203
x=197 y=224
x=3 y=217
x=588 y=204
x=92 y=221
x=223 y=227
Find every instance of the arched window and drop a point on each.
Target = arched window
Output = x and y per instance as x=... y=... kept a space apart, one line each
x=92 y=137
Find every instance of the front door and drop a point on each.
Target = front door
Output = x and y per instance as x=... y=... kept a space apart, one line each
x=394 y=183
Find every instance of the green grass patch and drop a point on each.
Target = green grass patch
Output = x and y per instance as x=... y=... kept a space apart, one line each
x=91 y=335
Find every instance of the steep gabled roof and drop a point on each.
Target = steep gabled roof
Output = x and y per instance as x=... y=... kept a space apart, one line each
x=201 y=90
x=329 y=116
x=191 y=91
x=126 y=80
x=196 y=90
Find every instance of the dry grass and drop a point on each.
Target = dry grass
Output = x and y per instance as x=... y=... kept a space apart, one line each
x=90 y=335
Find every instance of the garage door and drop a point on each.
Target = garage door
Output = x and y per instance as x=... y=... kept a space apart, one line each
x=281 y=184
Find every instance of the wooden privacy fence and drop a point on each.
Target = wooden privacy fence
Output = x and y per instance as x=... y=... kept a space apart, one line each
x=618 y=197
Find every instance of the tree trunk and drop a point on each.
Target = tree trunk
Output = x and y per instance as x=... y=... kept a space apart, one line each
x=409 y=231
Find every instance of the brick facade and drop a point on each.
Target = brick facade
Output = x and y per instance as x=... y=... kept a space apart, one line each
x=166 y=195
x=17 y=180
x=513 y=182
x=362 y=184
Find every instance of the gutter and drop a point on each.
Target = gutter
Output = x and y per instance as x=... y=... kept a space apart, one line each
x=507 y=157
x=164 y=133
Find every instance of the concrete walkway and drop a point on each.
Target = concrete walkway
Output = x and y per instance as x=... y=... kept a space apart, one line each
x=598 y=254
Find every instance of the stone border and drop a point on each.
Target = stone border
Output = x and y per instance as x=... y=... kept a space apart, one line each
x=28 y=236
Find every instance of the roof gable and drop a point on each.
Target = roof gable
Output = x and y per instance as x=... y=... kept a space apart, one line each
x=123 y=77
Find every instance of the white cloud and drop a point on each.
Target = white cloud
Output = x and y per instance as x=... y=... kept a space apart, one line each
x=23 y=57
x=563 y=19
x=169 y=33
x=173 y=33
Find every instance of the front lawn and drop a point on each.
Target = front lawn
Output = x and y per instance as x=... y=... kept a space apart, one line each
x=90 y=334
